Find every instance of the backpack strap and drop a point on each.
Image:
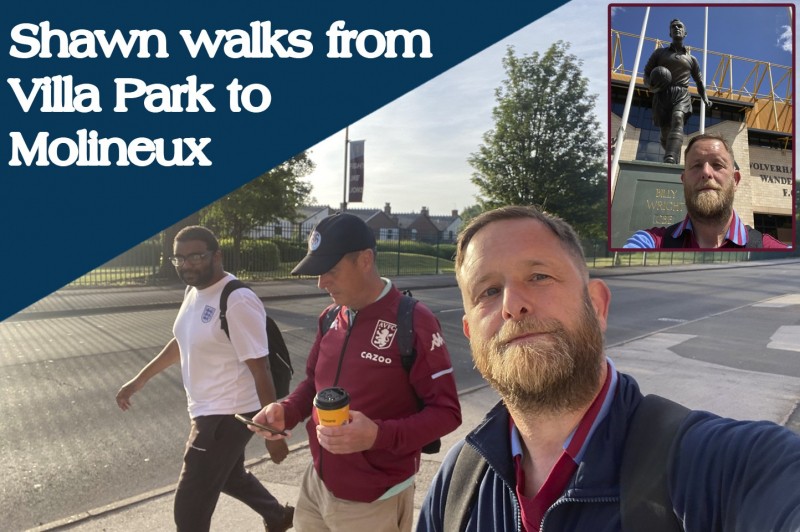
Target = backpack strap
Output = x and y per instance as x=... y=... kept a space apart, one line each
x=408 y=354
x=405 y=331
x=232 y=285
x=329 y=318
x=645 y=502
x=670 y=242
x=463 y=489
x=754 y=238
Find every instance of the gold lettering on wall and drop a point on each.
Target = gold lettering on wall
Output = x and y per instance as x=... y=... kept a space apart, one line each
x=667 y=193
x=665 y=206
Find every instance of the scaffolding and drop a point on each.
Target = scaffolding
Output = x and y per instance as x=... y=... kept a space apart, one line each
x=768 y=87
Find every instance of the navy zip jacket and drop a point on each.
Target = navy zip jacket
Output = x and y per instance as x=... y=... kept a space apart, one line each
x=724 y=475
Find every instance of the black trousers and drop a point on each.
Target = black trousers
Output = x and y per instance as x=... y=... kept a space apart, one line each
x=214 y=464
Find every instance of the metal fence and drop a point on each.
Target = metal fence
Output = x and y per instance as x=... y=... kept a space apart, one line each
x=270 y=253
x=264 y=258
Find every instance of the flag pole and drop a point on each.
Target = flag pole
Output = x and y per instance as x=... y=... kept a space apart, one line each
x=344 y=178
x=627 y=109
x=705 y=59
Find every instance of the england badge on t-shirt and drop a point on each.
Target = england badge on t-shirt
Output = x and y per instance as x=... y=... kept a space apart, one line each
x=208 y=314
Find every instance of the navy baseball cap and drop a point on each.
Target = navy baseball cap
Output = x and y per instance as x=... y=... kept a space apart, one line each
x=331 y=239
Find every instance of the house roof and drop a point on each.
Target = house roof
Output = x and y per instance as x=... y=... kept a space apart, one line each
x=381 y=217
x=306 y=212
x=443 y=222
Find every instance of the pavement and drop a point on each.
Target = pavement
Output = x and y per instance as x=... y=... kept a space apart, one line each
x=153 y=510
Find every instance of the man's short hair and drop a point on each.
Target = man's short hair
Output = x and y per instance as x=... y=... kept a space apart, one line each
x=198 y=232
x=561 y=229
x=710 y=136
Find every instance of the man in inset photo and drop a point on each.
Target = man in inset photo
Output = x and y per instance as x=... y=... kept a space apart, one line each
x=710 y=178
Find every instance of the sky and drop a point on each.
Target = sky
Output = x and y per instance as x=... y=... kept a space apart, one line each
x=758 y=33
x=416 y=148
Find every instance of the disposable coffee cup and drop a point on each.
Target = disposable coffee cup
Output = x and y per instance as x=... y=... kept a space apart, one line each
x=333 y=406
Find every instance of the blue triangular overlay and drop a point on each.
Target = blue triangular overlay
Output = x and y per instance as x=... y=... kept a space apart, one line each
x=61 y=222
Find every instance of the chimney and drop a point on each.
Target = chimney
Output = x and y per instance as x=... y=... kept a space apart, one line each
x=454 y=213
x=424 y=212
x=387 y=209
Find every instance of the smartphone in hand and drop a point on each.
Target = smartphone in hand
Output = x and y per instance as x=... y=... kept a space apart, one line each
x=248 y=421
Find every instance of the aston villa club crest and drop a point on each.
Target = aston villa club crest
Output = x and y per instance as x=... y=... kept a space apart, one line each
x=384 y=334
x=208 y=314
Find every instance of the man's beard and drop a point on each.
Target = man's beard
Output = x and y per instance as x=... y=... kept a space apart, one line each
x=557 y=373
x=203 y=276
x=710 y=206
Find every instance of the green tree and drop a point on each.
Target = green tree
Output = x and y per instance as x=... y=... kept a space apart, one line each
x=166 y=271
x=470 y=212
x=269 y=197
x=546 y=147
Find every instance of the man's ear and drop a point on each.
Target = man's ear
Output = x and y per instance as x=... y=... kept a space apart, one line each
x=682 y=173
x=600 y=295
x=465 y=325
x=736 y=177
x=365 y=259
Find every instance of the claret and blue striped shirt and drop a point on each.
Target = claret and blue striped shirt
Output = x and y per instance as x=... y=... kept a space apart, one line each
x=736 y=237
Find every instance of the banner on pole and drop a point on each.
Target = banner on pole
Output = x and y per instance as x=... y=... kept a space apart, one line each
x=356 y=171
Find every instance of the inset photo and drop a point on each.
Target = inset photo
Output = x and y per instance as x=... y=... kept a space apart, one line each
x=701 y=127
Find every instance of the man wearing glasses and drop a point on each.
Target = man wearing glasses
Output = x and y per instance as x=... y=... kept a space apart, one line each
x=222 y=377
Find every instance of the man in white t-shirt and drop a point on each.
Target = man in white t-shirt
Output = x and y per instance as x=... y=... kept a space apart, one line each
x=222 y=377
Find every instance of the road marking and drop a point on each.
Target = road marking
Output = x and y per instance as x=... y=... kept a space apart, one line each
x=781 y=301
x=763 y=303
x=673 y=320
x=787 y=338
x=702 y=385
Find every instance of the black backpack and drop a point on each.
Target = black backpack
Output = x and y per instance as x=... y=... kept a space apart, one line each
x=405 y=341
x=279 y=363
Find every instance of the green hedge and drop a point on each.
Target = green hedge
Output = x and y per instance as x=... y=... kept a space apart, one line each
x=256 y=255
x=148 y=253
x=290 y=250
x=443 y=251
